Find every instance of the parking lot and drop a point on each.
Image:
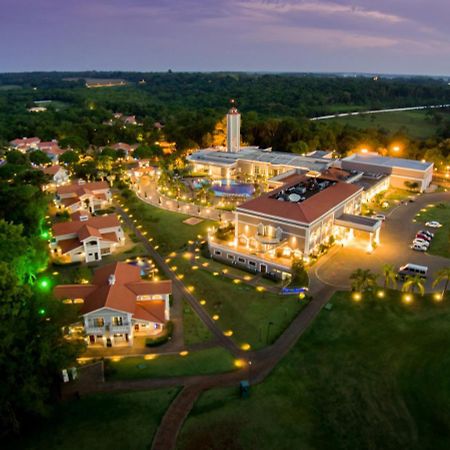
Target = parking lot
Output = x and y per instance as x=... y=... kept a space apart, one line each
x=397 y=233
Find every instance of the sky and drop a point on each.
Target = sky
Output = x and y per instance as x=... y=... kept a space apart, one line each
x=382 y=36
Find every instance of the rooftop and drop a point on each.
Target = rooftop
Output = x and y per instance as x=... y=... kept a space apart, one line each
x=254 y=154
x=302 y=200
x=114 y=287
x=387 y=161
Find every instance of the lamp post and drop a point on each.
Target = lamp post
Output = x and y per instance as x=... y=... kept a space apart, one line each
x=249 y=363
x=268 y=331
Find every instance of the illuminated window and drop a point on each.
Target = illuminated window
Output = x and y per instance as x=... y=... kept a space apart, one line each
x=99 y=322
x=117 y=321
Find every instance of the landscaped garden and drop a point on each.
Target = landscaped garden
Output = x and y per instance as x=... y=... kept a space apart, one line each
x=368 y=374
x=440 y=212
x=103 y=421
x=251 y=315
x=165 y=227
x=194 y=330
x=202 y=362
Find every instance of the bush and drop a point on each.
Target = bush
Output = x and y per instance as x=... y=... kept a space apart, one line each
x=161 y=339
x=299 y=274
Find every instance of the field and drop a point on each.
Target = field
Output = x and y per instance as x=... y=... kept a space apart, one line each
x=440 y=245
x=194 y=330
x=255 y=318
x=416 y=123
x=99 y=422
x=201 y=362
x=368 y=375
x=167 y=228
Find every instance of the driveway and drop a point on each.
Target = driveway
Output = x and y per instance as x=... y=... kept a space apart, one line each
x=396 y=235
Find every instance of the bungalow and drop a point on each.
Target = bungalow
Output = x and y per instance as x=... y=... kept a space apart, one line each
x=25 y=144
x=86 y=238
x=51 y=149
x=127 y=148
x=81 y=195
x=57 y=174
x=118 y=305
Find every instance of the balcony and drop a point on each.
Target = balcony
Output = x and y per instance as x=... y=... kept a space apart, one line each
x=268 y=240
x=125 y=328
x=95 y=330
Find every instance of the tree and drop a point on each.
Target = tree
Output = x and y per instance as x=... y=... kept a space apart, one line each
x=39 y=157
x=390 y=275
x=412 y=283
x=442 y=275
x=363 y=279
x=33 y=351
x=16 y=157
x=69 y=157
x=299 y=274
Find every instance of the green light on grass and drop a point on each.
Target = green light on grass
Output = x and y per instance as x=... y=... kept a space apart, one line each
x=44 y=283
x=41 y=311
x=45 y=235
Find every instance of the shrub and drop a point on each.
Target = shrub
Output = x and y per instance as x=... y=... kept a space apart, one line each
x=162 y=338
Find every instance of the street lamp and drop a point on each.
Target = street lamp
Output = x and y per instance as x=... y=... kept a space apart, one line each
x=268 y=331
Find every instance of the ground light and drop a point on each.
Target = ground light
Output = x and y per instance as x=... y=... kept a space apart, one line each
x=45 y=235
x=380 y=294
x=44 y=283
x=356 y=296
x=245 y=347
x=407 y=298
x=438 y=296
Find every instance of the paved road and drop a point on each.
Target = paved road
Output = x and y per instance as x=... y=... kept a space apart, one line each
x=377 y=111
x=397 y=233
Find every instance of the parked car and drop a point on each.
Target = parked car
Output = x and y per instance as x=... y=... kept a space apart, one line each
x=419 y=247
x=379 y=217
x=428 y=233
x=419 y=241
x=433 y=224
x=423 y=236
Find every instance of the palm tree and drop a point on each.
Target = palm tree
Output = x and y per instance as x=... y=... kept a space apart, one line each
x=390 y=275
x=443 y=275
x=363 y=279
x=413 y=282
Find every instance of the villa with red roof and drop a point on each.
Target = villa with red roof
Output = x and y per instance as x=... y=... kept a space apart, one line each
x=294 y=220
x=25 y=144
x=86 y=238
x=80 y=195
x=118 y=305
x=57 y=174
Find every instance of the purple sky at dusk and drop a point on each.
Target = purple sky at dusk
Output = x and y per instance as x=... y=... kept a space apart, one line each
x=386 y=36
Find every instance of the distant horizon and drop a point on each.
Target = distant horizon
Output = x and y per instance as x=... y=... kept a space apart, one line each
x=243 y=71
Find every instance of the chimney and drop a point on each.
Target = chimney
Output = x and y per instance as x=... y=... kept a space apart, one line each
x=112 y=279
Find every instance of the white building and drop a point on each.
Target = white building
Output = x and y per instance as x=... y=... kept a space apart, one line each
x=118 y=305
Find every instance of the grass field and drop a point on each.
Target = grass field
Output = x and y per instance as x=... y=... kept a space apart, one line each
x=100 y=422
x=194 y=330
x=440 y=245
x=368 y=375
x=166 y=228
x=239 y=307
x=416 y=123
x=215 y=360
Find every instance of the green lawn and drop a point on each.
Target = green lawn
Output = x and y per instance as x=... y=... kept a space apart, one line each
x=368 y=375
x=241 y=308
x=416 y=123
x=440 y=245
x=101 y=422
x=166 y=227
x=195 y=331
x=202 y=362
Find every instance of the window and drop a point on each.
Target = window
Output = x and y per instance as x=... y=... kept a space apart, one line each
x=230 y=257
x=99 y=322
x=241 y=260
x=252 y=263
x=217 y=252
x=117 y=321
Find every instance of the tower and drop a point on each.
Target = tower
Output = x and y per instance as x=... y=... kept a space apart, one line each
x=233 y=128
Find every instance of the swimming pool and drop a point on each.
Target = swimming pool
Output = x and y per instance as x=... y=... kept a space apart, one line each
x=227 y=188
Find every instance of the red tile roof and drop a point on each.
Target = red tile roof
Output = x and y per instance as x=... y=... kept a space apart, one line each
x=305 y=212
x=82 y=212
x=51 y=170
x=98 y=222
x=87 y=231
x=119 y=295
x=74 y=188
x=68 y=245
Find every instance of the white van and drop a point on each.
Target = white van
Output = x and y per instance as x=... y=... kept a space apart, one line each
x=411 y=270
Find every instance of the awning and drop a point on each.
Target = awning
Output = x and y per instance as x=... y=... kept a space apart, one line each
x=355 y=222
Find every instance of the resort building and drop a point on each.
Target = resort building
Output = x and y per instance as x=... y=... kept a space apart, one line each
x=118 y=305
x=25 y=144
x=294 y=220
x=51 y=149
x=401 y=171
x=57 y=174
x=84 y=196
x=86 y=238
x=233 y=129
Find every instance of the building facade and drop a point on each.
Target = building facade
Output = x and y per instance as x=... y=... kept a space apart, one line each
x=118 y=305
